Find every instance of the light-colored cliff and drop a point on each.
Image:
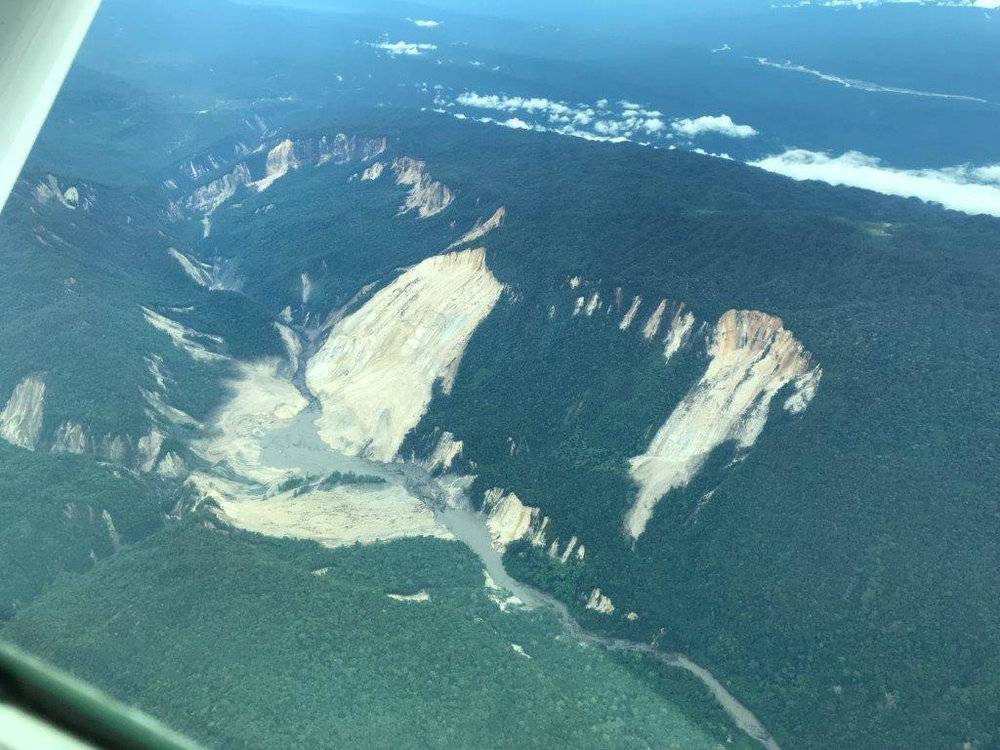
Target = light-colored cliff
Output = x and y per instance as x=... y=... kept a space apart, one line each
x=373 y=172
x=481 y=228
x=427 y=196
x=207 y=199
x=652 y=326
x=629 y=316
x=600 y=603
x=752 y=357
x=445 y=453
x=509 y=520
x=293 y=345
x=70 y=437
x=195 y=343
x=21 y=418
x=280 y=160
x=681 y=325
x=375 y=374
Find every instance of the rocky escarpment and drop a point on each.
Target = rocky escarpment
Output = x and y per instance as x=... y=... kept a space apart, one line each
x=21 y=418
x=427 y=196
x=375 y=374
x=481 y=228
x=22 y=421
x=509 y=520
x=281 y=158
x=752 y=357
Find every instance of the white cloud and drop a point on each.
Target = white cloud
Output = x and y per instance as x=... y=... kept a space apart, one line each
x=855 y=83
x=967 y=189
x=512 y=103
x=403 y=48
x=424 y=23
x=859 y=4
x=723 y=125
x=703 y=152
x=987 y=174
x=596 y=122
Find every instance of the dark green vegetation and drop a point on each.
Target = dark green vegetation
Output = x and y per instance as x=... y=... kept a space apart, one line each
x=841 y=581
x=242 y=641
x=843 y=575
x=64 y=514
x=75 y=283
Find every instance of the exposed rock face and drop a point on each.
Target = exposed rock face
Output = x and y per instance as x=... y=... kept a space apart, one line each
x=752 y=358
x=373 y=172
x=280 y=160
x=420 y=597
x=653 y=323
x=208 y=198
x=599 y=603
x=70 y=437
x=427 y=196
x=341 y=149
x=374 y=375
x=195 y=170
x=306 y=288
x=193 y=342
x=805 y=390
x=509 y=520
x=481 y=228
x=196 y=271
x=203 y=274
x=148 y=450
x=114 y=449
x=21 y=418
x=49 y=190
x=171 y=466
x=446 y=451
x=113 y=536
x=630 y=314
x=681 y=325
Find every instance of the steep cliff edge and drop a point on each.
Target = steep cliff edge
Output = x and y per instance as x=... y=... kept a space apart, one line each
x=375 y=374
x=752 y=357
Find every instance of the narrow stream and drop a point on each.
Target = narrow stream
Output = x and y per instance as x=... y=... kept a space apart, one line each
x=297 y=445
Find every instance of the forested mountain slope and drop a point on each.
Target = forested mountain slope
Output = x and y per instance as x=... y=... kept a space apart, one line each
x=707 y=408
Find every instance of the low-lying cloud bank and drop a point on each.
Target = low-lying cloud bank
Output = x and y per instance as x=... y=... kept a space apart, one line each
x=985 y=4
x=971 y=190
x=599 y=121
x=721 y=125
x=855 y=83
x=424 y=23
x=403 y=48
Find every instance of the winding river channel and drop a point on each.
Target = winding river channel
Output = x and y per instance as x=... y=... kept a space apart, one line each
x=297 y=445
